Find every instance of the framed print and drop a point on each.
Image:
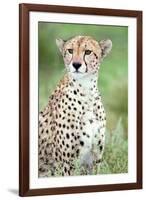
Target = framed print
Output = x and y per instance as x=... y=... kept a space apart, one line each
x=80 y=99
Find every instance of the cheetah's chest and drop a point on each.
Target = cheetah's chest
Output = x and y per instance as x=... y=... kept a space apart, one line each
x=83 y=109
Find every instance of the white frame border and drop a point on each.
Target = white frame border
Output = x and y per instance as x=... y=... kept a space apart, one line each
x=36 y=182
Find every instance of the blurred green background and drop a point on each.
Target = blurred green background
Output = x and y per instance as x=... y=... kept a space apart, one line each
x=113 y=80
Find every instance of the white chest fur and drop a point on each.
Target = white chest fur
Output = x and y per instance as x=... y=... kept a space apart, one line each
x=91 y=126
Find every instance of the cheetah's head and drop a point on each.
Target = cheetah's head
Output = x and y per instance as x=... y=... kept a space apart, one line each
x=82 y=54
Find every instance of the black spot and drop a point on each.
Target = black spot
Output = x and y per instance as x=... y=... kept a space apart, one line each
x=66 y=95
x=72 y=155
x=73 y=147
x=42 y=131
x=62 y=100
x=101 y=148
x=47 y=131
x=60 y=125
x=59 y=106
x=63 y=142
x=67 y=145
x=69 y=107
x=75 y=108
x=60 y=158
x=68 y=155
x=72 y=134
x=40 y=125
x=67 y=136
x=56 y=154
x=74 y=100
x=64 y=125
x=64 y=154
x=71 y=84
x=99 y=142
x=65 y=169
x=46 y=152
x=42 y=141
x=68 y=120
x=82 y=107
x=72 y=126
x=84 y=133
x=98 y=107
x=91 y=121
x=75 y=92
x=70 y=99
x=77 y=151
x=46 y=120
x=79 y=102
x=81 y=143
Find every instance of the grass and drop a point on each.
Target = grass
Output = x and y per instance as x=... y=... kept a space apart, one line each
x=115 y=157
x=113 y=83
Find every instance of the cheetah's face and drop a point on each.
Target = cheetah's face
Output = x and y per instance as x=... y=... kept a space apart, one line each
x=82 y=54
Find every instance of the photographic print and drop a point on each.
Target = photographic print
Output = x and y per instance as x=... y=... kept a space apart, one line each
x=83 y=100
x=80 y=99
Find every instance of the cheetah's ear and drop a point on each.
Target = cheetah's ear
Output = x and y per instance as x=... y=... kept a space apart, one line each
x=60 y=43
x=106 y=46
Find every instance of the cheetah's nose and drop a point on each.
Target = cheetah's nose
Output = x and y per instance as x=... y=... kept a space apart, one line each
x=76 y=65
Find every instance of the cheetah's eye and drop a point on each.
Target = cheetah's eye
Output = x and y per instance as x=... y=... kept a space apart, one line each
x=87 y=52
x=70 y=51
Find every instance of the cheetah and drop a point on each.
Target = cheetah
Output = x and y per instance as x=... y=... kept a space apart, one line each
x=72 y=125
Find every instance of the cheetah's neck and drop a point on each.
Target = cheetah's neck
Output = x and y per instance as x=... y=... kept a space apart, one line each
x=89 y=83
